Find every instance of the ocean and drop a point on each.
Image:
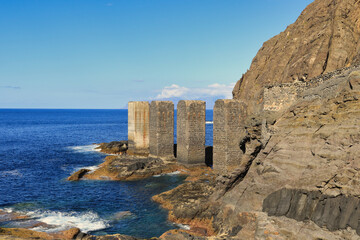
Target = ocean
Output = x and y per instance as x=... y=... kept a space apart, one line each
x=40 y=148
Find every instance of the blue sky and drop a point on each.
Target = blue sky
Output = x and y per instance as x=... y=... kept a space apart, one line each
x=102 y=54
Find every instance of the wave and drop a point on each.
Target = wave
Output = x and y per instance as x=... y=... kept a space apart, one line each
x=169 y=174
x=7 y=209
x=86 y=221
x=90 y=168
x=13 y=173
x=85 y=149
x=183 y=226
x=209 y=122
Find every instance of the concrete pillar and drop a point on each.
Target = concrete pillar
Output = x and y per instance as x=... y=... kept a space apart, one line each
x=191 y=132
x=228 y=128
x=138 y=128
x=162 y=129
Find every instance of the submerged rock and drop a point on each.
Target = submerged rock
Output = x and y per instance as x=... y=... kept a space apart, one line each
x=121 y=215
x=11 y=216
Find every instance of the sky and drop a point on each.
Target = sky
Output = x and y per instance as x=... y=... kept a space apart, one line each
x=100 y=54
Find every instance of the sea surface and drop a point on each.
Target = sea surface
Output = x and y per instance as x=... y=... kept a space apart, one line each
x=40 y=148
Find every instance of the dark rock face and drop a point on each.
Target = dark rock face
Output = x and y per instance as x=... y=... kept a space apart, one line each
x=209 y=156
x=332 y=212
x=324 y=38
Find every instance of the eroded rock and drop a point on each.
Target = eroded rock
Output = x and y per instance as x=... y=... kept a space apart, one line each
x=324 y=38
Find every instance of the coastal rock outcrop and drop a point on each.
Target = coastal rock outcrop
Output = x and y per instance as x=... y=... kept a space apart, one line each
x=324 y=38
x=114 y=147
x=78 y=175
x=188 y=204
x=22 y=234
x=126 y=168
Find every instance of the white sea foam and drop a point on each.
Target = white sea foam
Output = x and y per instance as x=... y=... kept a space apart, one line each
x=86 y=148
x=86 y=221
x=90 y=168
x=183 y=226
x=7 y=210
x=209 y=122
x=13 y=173
x=169 y=174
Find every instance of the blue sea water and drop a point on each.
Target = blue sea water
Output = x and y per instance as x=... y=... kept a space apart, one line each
x=40 y=148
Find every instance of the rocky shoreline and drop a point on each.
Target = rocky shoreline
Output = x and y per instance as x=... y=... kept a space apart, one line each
x=120 y=166
x=185 y=203
x=198 y=185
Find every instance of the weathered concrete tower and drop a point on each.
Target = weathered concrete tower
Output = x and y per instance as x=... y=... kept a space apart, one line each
x=191 y=132
x=138 y=128
x=228 y=118
x=162 y=129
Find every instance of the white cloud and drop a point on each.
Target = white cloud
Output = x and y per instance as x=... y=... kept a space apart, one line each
x=213 y=90
x=172 y=91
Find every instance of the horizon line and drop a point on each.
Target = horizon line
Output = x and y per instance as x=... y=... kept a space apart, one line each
x=74 y=108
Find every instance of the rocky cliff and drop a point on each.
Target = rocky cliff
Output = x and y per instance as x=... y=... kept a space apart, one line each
x=308 y=169
x=324 y=38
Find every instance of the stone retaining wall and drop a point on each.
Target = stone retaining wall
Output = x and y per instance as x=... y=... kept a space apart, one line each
x=282 y=96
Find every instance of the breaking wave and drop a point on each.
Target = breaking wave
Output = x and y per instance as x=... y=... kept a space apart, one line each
x=183 y=226
x=90 y=168
x=169 y=174
x=13 y=173
x=85 y=149
x=86 y=221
